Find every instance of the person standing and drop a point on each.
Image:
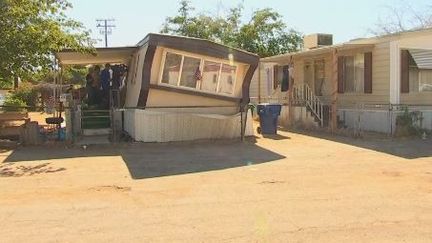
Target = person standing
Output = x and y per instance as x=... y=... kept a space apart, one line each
x=89 y=87
x=105 y=78
x=96 y=84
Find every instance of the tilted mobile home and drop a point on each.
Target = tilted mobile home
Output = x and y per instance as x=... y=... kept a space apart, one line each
x=180 y=88
x=365 y=82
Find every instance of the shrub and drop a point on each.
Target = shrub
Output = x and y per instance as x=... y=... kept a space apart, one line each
x=14 y=104
x=407 y=123
x=26 y=93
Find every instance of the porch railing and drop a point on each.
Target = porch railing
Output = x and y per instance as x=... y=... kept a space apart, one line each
x=303 y=95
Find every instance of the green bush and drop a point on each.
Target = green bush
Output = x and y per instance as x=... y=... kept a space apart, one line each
x=15 y=104
x=407 y=123
x=26 y=93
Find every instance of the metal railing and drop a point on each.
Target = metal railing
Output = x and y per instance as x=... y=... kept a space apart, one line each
x=303 y=95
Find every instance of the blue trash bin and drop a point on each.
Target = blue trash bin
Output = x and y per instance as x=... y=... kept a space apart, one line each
x=268 y=114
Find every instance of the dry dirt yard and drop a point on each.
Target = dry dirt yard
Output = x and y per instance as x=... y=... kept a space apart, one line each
x=287 y=188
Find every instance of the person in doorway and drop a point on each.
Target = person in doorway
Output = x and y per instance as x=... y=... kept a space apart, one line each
x=96 y=84
x=105 y=77
x=89 y=87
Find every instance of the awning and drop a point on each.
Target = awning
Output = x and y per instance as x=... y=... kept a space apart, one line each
x=119 y=55
x=423 y=58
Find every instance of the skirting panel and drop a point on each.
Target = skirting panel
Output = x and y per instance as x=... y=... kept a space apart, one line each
x=155 y=126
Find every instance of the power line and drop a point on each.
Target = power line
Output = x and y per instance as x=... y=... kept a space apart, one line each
x=105 y=28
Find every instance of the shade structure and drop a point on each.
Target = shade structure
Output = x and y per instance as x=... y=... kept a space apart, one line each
x=119 y=55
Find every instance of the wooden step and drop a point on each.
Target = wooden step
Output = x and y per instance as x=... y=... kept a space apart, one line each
x=96 y=132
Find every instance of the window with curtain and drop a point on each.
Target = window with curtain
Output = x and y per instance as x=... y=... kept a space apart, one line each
x=227 y=79
x=319 y=74
x=420 y=70
x=414 y=80
x=354 y=73
x=425 y=80
x=190 y=72
x=210 y=76
x=171 y=71
x=416 y=71
x=198 y=73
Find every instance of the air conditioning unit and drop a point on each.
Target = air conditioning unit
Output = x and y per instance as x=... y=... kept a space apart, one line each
x=317 y=40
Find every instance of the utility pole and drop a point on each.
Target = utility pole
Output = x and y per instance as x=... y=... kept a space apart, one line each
x=105 y=28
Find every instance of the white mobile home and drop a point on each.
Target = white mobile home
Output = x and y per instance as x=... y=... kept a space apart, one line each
x=180 y=88
x=359 y=84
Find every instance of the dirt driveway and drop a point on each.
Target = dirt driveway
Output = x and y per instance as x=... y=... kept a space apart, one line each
x=289 y=188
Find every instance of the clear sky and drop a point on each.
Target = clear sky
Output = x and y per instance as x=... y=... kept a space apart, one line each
x=136 y=18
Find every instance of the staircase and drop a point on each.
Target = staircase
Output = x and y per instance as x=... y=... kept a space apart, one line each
x=95 y=119
x=95 y=127
x=304 y=96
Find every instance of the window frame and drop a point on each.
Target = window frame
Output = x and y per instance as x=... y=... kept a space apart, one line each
x=315 y=63
x=420 y=78
x=135 y=68
x=199 y=82
x=218 y=78
x=362 y=91
x=420 y=73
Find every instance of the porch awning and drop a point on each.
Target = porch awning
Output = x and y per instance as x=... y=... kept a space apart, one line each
x=102 y=55
x=423 y=58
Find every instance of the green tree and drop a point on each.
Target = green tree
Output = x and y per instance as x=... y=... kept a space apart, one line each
x=71 y=74
x=265 y=34
x=31 y=30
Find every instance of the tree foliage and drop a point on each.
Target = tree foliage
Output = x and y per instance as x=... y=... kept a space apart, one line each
x=26 y=93
x=265 y=33
x=30 y=30
x=72 y=74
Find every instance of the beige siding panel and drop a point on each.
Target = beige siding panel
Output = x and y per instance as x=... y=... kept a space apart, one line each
x=135 y=78
x=299 y=66
x=417 y=98
x=159 y=98
x=266 y=88
x=253 y=88
x=380 y=81
x=380 y=76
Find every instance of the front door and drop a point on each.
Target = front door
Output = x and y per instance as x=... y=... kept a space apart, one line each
x=309 y=74
x=319 y=77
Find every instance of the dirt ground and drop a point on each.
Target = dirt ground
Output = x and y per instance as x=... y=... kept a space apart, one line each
x=287 y=188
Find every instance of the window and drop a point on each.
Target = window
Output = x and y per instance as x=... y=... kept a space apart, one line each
x=319 y=74
x=171 y=71
x=420 y=70
x=414 y=77
x=281 y=77
x=136 y=69
x=227 y=79
x=190 y=72
x=354 y=73
x=308 y=73
x=278 y=76
x=210 y=76
x=425 y=80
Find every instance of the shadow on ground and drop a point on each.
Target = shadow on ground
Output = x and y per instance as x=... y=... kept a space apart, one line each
x=11 y=170
x=408 y=148
x=276 y=137
x=158 y=160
